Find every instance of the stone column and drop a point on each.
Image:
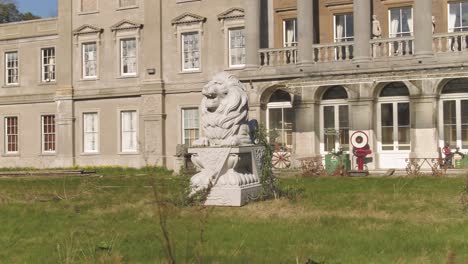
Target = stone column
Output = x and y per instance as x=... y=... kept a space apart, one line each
x=306 y=123
x=305 y=26
x=362 y=30
x=306 y=129
x=64 y=94
x=424 y=137
x=252 y=33
x=361 y=116
x=423 y=27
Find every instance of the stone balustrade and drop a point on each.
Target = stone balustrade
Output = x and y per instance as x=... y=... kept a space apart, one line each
x=278 y=57
x=391 y=47
x=341 y=51
x=450 y=42
x=383 y=48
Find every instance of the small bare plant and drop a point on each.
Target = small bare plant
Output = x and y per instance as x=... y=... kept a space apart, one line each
x=464 y=196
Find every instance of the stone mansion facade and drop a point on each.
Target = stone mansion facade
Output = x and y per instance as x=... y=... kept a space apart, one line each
x=117 y=82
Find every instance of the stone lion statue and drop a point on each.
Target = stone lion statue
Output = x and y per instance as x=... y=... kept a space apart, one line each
x=224 y=113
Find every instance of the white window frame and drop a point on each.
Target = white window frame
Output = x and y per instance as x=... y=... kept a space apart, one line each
x=293 y=43
x=394 y=100
x=7 y=134
x=49 y=67
x=400 y=22
x=457 y=97
x=282 y=106
x=133 y=131
x=15 y=68
x=182 y=35
x=456 y=28
x=183 y=123
x=231 y=65
x=344 y=39
x=83 y=60
x=44 y=133
x=122 y=73
x=336 y=103
x=95 y=134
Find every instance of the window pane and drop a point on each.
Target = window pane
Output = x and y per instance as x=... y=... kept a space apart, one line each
x=329 y=127
x=128 y=57
x=450 y=126
x=275 y=124
x=236 y=47
x=289 y=32
x=191 y=54
x=344 y=127
x=329 y=117
x=387 y=114
x=403 y=114
x=288 y=126
x=90 y=132
x=190 y=128
x=464 y=124
x=387 y=126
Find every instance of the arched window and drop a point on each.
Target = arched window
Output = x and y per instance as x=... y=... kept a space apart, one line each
x=454 y=114
x=280 y=116
x=394 y=118
x=335 y=119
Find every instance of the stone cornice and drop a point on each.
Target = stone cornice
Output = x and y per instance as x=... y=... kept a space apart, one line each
x=87 y=29
x=187 y=18
x=233 y=13
x=126 y=25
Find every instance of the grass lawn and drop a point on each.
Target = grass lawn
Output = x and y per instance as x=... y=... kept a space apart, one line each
x=112 y=219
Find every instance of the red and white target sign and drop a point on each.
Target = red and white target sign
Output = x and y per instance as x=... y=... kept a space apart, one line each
x=359 y=139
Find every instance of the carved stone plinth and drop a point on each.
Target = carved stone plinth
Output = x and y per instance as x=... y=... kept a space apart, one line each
x=233 y=173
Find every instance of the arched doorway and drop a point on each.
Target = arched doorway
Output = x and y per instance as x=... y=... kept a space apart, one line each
x=393 y=125
x=280 y=117
x=334 y=120
x=453 y=114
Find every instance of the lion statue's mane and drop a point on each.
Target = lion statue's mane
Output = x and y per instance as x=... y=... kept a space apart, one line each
x=227 y=124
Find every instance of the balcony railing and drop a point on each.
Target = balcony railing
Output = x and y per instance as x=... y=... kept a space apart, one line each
x=401 y=47
x=342 y=51
x=278 y=57
x=391 y=47
x=450 y=42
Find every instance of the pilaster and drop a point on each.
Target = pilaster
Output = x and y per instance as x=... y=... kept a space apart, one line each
x=252 y=33
x=305 y=20
x=362 y=30
x=423 y=28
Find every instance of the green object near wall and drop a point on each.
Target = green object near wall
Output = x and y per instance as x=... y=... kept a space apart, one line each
x=333 y=162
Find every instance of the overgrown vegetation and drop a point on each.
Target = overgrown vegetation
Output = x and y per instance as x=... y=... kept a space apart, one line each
x=464 y=196
x=270 y=186
x=114 y=219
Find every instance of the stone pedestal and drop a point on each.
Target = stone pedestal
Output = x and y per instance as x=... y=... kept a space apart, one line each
x=233 y=173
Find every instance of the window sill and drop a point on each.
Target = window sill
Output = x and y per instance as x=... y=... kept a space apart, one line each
x=89 y=79
x=190 y=71
x=126 y=8
x=47 y=83
x=11 y=155
x=48 y=154
x=11 y=85
x=90 y=153
x=128 y=76
x=235 y=68
x=128 y=153
x=88 y=13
